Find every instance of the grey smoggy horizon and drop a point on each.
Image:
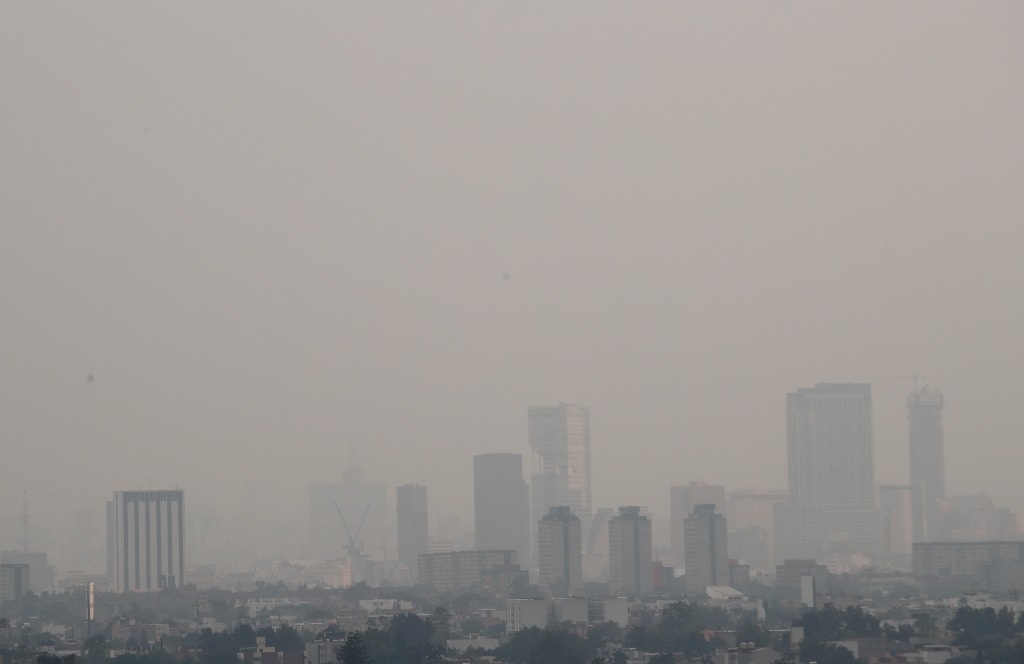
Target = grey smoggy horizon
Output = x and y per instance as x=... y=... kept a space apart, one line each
x=245 y=246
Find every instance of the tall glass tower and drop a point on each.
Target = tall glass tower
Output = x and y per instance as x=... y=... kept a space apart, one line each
x=560 y=439
x=832 y=509
x=927 y=463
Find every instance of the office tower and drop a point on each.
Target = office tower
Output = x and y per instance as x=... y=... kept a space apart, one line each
x=630 y=556
x=411 y=501
x=832 y=509
x=501 y=504
x=682 y=500
x=752 y=526
x=560 y=540
x=927 y=463
x=147 y=537
x=560 y=439
x=896 y=503
x=332 y=535
x=707 y=556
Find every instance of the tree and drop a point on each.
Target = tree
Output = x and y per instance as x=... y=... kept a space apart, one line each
x=825 y=653
x=353 y=651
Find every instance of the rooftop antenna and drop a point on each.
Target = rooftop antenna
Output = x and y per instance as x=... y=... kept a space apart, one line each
x=25 y=522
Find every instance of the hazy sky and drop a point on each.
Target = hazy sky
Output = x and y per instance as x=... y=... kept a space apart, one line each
x=275 y=232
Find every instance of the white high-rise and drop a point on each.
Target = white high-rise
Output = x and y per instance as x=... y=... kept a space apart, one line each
x=146 y=540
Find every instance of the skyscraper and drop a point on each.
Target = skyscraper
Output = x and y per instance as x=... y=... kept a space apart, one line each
x=832 y=508
x=560 y=439
x=560 y=541
x=682 y=500
x=707 y=556
x=146 y=540
x=501 y=504
x=927 y=463
x=411 y=501
x=630 y=559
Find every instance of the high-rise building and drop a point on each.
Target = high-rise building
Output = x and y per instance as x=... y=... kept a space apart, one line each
x=927 y=463
x=41 y=573
x=682 y=500
x=354 y=496
x=14 y=581
x=560 y=541
x=896 y=503
x=501 y=504
x=146 y=536
x=630 y=555
x=832 y=509
x=707 y=555
x=412 y=527
x=752 y=526
x=560 y=439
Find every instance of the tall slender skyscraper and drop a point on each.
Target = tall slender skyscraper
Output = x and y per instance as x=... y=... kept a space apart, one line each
x=501 y=504
x=147 y=536
x=630 y=559
x=707 y=556
x=830 y=448
x=927 y=463
x=560 y=540
x=411 y=501
x=560 y=439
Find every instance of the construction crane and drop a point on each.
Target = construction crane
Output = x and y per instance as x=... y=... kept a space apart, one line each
x=354 y=547
x=916 y=377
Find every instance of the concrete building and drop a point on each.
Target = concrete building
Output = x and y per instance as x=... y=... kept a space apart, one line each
x=682 y=500
x=707 y=557
x=146 y=536
x=927 y=463
x=559 y=437
x=501 y=504
x=830 y=452
x=630 y=554
x=962 y=558
x=560 y=542
x=790 y=575
x=41 y=572
x=461 y=571
x=412 y=526
x=752 y=526
x=897 y=503
x=14 y=581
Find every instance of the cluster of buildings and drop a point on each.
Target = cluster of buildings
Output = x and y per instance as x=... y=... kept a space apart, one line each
x=543 y=529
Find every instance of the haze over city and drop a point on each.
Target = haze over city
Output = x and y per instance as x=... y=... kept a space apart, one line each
x=245 y=246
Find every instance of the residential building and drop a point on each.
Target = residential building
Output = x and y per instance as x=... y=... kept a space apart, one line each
x=461 y=571
x=146 y=532
x=501 y=504
x=682 y=500
x=559 y=437
x=831 y=509
x=412 y=526
x=707 y=557
x=630 y=553
x=560 y=543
